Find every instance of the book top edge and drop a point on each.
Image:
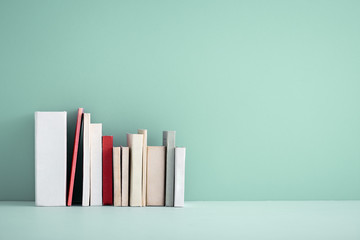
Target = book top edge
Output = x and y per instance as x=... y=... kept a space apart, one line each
x=36 y=112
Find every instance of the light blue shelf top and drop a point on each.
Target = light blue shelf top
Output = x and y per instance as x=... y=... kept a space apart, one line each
x=338 y=220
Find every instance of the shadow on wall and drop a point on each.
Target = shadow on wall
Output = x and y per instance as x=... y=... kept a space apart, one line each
x=17 y=158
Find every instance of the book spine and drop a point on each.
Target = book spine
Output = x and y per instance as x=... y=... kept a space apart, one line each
x=135 y=142
x=107 y=175
x=96 y=165
x=144 y=164
x=50 y=158
x=86 y=161
x=179 y=176
x=74 y=156
x=117 y=176
x=156 y=176
x=124 y=176
x=169 y=143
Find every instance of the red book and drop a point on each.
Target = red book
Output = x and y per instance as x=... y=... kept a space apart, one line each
x=107 y=170
x=75 y=154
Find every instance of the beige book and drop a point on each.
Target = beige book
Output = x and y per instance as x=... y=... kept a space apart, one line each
x=124 y=176
x=117 y=176
x=135 y=143
x=144 y=164
x=156 y=176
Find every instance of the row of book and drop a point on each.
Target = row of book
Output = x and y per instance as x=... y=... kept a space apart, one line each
x=133 y=175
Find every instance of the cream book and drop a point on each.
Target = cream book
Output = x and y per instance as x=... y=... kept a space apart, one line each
x=124 y=176
x=96 y=164
x=156 y=176
x=86 y=161
x=50 y=158
x=144 y=164
x=169 y=143
x=179 y=189
x=135 y=143
x=117 y=176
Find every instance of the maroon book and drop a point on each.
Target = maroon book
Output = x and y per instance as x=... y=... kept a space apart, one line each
x=107 y=170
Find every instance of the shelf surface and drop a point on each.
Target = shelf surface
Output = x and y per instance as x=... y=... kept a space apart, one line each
x=244 y=220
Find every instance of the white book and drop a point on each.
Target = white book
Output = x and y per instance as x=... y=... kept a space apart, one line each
x=96 y=164
x=86 y=161
x=144 y=165
x=124 y=176
x=155 y=176
x=50 y=158
x=169 y=143
x=135 y=142
x=117 y=176
x=179 y=190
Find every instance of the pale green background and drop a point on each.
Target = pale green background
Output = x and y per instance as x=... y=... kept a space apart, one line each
x=264 y=94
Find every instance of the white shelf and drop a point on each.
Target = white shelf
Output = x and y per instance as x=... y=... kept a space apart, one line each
x=295 y=220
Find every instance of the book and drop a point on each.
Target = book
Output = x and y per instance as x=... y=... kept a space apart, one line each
x=179 y=176
x=50 y=158
x=74 y=156
x=144 y=164
x=78 y=180
x=135 y=142
x=124 y=176
x=155 y=176
x=117 y=176
x=86 y=161
x=169 y=143
x=95 y=164
x=107 y=174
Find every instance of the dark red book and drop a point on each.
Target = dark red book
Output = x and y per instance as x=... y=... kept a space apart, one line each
x=75 y=154
x=107 y=170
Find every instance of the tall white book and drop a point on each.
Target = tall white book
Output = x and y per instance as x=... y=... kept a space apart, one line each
x=155 y=176
x=86 y=161
x=169 y=143
x=144 y=165
x=50 y=158
x=96 y=164
x=124 y=176
x=135 y=143
x=179 y=190
x=117 y=176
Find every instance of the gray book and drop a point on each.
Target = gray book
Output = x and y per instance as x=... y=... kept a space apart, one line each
x=169 y=143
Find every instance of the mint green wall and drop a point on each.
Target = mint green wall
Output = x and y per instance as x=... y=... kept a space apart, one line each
x=264 y=94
